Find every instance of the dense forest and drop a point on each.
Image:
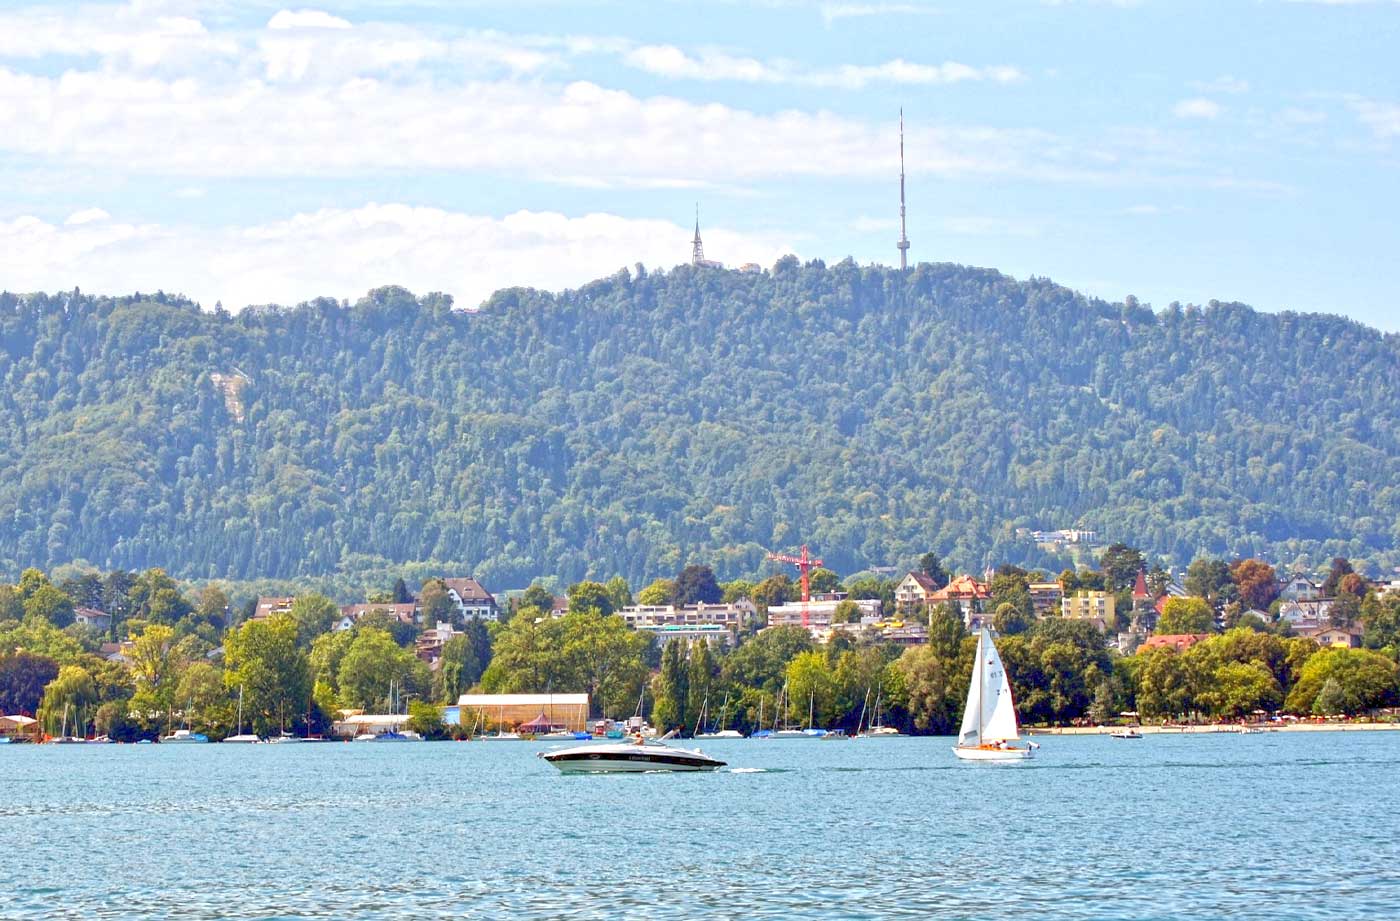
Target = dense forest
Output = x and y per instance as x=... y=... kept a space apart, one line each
x=652 y=419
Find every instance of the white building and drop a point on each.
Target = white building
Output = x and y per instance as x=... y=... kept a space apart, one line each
x=472 y=599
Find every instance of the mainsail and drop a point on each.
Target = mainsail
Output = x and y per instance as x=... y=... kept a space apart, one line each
x=990 y=714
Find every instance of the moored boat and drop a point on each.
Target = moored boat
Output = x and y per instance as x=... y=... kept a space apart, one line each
x=183 y=736
x=989 y=727
x=1128 y=733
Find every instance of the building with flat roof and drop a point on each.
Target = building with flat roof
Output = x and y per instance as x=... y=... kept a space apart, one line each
x=511 y=710
x=1088 y=605
x=713 y=633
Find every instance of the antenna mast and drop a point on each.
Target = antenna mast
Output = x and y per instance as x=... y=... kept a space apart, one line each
x=903 y=244
x=697 y=249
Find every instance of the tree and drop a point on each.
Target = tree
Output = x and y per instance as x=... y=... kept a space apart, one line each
x=589 y=596
x=603 y=657
x=847 y=612
x=156 y=667
x=23 y=677
x=11 y=606
x=762 y=661
x=1166 y=686
x=50 y=604
x=696 y=584
x=737 y=590
x=1344 y=610
x=156 y=597
x=1185 y=615
x=932 y=688
x=30 y=581
x=371 y=665
x=1351 y=584
x=1364 y=680
x=823 y=580
x=1341 y=567
x=1009 y=620
x=400 y=594
x=811 y=689
x=314 y=614
x=1381 y=616
x=426 y=720
x=773 y=590
x=1210 y=579
x=1120 y=565
x=537 y=597
x=213 y=605
x=264 y=660
x=203 y=695
x=946 y=630
x=671 y=688
x=619 y=593
x=70 y=701
x=464 y=660
x=1237 y=689
x=1257 y=582
x=931 y=566
x=659 y=592
x=437 y=606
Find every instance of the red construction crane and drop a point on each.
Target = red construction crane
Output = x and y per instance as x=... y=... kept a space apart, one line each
x=804 y=564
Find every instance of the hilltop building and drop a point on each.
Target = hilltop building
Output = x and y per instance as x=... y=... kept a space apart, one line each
x=1088 y=605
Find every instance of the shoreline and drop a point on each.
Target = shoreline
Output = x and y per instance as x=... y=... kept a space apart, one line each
x=1223 y=728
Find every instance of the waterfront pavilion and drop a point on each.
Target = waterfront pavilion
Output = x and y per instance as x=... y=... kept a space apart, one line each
x=506 y=711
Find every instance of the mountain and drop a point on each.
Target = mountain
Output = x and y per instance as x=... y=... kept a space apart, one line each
x=651 y=419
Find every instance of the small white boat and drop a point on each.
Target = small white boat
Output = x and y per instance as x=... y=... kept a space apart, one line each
x=989 y=728
x=183 y=736
x=407 y=735
x=629 y=758
x=499 y=737
x=722 y=734
x=1129 y=733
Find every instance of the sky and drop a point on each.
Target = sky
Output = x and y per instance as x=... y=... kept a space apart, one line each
x=252 y=153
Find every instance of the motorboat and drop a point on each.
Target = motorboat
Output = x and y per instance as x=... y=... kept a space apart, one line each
x=1128 y=733
x=629 y=758
x=407 y=735
x=989 y=727
x=183 y=736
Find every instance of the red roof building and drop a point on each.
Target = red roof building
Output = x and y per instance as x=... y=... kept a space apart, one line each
x=1140 y=587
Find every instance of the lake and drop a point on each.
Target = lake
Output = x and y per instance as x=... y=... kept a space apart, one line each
x=1260 y=826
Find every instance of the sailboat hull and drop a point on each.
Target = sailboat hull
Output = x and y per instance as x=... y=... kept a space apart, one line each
x=994 y=754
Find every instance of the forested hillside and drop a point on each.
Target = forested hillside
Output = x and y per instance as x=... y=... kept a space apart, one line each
x=652 y=419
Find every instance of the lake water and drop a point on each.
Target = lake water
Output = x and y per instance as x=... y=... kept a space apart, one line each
x=1276 y=826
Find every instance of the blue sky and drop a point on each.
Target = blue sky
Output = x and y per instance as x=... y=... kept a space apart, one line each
x=252 y=153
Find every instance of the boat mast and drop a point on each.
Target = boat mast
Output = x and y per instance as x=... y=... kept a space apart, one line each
x=981 y=655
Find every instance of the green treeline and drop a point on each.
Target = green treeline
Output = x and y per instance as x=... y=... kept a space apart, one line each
x=650 y=419
x=167 y=658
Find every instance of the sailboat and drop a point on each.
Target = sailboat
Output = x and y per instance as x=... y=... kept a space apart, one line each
x=989 y=720
x=63 y=737
x=500 y=735
x=241 y=736
x=877 y=728
x=787 y=732
x=721 y=732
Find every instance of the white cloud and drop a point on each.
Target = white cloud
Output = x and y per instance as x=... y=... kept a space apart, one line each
x=1197 y=108
x=1227 y=83
x=140 y=35
x=86 y=216
x=344 y=252
x=670 y=61
x=1383 y=118
x=834 y=12
x=306 y=19
x=258 y=128
x=1297 y=116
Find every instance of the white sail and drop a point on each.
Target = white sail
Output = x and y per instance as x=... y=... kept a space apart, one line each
x=969 y=734
x=998 y=709
x=990 y=713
